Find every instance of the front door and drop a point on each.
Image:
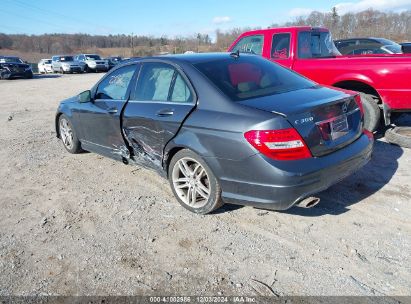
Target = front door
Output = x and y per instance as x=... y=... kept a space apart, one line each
x=156 y=110
x=101 y=121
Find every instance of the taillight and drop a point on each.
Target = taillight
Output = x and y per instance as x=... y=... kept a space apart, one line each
x=284 y=144
x=357 y=99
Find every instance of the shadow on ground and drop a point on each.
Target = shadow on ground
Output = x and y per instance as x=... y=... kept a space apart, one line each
x=41 y=76
x=362 y=184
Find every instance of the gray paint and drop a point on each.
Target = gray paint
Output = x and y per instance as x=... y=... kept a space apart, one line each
x=213 y=126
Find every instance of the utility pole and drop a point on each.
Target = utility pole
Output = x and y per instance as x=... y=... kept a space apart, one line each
x=132 y=44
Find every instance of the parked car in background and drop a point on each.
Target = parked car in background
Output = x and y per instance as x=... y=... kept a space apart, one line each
x=366 y=46
x=93 y=62
x=113 y=61
x=406 y=47
x=13 y=67
x=65 y=64
x=223 y=128
x=44 y=66
x=382 y=79
x=127 y=59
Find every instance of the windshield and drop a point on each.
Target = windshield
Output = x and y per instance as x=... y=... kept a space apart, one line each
x=316 y=44
x=11 y=60
x=66 y=58
x=93 y=57
x=393 y=48
x=248 y=77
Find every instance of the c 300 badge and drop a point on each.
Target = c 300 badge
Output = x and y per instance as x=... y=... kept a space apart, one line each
x=304 y=120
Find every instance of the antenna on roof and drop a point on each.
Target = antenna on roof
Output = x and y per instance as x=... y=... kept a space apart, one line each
x=235 y=54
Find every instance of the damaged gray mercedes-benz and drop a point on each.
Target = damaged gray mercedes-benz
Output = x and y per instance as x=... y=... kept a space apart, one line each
x=223 y=128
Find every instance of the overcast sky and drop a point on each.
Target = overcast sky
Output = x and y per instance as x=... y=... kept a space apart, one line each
x=161 y=17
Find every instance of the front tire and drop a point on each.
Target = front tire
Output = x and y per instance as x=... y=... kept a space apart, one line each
x=193 y=183
x=68 y=135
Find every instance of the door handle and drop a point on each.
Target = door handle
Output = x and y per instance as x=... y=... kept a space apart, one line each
x=112 y=110
x=165 y=112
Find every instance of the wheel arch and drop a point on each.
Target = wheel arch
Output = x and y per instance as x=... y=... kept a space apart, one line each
x=359 y=86
x=188 y=141
x=60 y=112
x=169 y=156
x=56 y=124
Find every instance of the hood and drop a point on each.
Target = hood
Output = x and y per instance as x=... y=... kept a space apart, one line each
x=70 y=62
x=69 y=100
x=14 y=64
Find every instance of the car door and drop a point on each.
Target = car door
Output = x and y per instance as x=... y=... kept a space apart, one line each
x=156 y=110
x=101 y=120
x=280 y=49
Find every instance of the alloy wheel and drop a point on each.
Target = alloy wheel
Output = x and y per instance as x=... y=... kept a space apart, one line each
x=66 y=133
x=191 y=182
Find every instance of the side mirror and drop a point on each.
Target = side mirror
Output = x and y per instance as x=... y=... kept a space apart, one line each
x=84 y=96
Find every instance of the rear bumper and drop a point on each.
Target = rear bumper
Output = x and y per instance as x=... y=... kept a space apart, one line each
x=269 y=184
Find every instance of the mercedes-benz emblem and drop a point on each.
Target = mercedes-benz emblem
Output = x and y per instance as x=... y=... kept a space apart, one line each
x=345 y=107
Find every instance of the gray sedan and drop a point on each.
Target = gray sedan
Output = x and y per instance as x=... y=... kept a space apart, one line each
x=223 y=128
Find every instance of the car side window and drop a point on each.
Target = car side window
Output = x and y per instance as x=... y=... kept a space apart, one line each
x=280 y=46
x=250 y=44
x=115 y=85
x=368 y=41
x=181 y=92
x=154 y=82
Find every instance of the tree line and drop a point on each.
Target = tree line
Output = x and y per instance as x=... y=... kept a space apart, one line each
x=371 y=22
x=368 y=23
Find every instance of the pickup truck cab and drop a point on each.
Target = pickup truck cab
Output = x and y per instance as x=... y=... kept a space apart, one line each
x=383 y=79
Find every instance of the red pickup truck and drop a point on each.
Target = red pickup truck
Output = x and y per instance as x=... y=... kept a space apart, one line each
x=383 y=80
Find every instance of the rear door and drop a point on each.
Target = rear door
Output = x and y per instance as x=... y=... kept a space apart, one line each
x=100 y=121
x=156 y=110
x=281 y=49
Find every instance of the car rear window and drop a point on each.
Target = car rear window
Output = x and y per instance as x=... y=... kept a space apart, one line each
x=316 y=44
x=249 y=76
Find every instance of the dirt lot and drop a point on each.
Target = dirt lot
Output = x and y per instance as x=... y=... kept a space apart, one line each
x=87 y=225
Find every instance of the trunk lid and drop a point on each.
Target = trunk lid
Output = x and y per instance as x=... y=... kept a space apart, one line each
x=327 y=119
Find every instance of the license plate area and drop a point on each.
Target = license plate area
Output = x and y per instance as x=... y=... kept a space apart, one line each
x=339 y=127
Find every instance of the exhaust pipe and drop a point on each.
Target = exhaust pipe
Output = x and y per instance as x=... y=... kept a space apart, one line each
x=308 y=202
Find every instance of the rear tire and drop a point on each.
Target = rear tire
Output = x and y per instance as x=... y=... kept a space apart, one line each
x=68 y=135
x=193 y=183
x=372 y=112
x=400 y=136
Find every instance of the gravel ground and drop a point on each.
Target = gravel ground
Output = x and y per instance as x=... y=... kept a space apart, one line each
x=87 y=225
